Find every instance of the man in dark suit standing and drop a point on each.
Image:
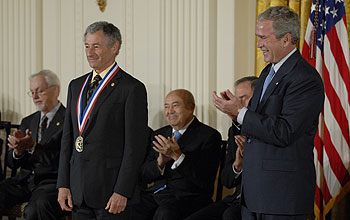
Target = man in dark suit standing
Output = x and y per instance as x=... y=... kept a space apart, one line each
x=105 y=134
x=35 y=148
x=230 y=207
x=183 y=163
x=280 y=123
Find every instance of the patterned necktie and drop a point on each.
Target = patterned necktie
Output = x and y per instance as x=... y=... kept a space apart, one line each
x=93 y=87
x=43 y=127
x=177 y=135
x=267 y=81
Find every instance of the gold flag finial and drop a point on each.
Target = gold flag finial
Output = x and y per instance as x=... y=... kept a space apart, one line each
x=102 y=4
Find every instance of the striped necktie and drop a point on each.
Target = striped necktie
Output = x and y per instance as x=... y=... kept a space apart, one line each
x=177 y=135
x=93 y=87
x=267 y=81
x=43 y=127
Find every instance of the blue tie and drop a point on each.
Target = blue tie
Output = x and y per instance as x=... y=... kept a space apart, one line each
x=267 y=81
x=177 y=135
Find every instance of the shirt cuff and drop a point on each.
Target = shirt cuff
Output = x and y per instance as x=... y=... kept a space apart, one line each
x=241 y=115
x=15 y=156
x=235 y=171
x=31 y=151
x=178 y=162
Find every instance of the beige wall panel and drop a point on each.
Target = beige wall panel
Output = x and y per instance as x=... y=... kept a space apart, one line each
x=199 y=45
x=20 y=55
x=235 y=48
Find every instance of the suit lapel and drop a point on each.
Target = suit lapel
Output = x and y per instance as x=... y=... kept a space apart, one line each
x=84 y=96
x=34 y=126
x=110 y=86
x=286 y=67
x=56 y=122
x=258 y=88
x=75 y=97
x=189 y=135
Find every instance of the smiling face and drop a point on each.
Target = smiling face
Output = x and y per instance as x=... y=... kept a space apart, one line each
x=44 y=97
x=177 y=110
x=98 y=54
x=273 y=49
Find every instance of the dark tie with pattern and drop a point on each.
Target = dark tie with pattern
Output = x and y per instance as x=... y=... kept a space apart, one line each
x=43 y=127
x=93 y=87
x=177 y=135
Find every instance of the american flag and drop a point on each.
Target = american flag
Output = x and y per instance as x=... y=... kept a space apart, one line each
x=326 y=47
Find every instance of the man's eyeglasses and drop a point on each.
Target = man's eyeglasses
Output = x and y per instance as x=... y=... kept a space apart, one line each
x=39 y=92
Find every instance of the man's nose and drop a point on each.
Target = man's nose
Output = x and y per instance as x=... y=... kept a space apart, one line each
x=259 y=43
x=35 y=95
x=89 y=51
x=171 y=109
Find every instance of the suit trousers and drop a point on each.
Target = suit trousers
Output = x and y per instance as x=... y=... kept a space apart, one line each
x=42 y=201
x=248 y=215
x=165 y=206
x=84 y=212
x=218 y=210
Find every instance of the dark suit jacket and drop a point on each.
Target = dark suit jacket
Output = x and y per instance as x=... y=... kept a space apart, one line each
x=44 y=161
x=195 y=176
x=278 y=168
x=228 y=177
x=115 y=141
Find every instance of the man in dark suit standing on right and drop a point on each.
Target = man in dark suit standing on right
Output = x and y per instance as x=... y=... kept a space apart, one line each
x=105 y=134
x=280 y=124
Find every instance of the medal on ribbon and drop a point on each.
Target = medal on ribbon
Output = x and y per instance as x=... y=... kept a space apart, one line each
x=83 y=117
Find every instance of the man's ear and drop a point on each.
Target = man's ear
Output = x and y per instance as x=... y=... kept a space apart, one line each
x=57 y=90
x=116 y=47
x=287 y=39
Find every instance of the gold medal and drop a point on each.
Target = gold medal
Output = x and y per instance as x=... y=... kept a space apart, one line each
x=79 y=144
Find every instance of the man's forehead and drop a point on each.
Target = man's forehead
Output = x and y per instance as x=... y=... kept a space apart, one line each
x=170 y=102
x=38 y=80
x=244 y=87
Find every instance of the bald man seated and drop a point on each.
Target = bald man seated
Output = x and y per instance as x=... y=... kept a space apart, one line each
x=181 y=164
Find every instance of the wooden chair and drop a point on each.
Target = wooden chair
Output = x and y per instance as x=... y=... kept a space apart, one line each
x=7 y=126
x=219 y=186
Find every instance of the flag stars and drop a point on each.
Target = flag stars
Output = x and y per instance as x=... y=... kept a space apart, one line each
x=334 y=12
x=322 y=24
x=327 y=11
x=313 y=7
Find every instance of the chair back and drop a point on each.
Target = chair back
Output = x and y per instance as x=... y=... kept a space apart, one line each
x=219 y=187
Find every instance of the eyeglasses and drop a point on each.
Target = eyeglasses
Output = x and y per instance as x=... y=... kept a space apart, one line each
x=39 y=92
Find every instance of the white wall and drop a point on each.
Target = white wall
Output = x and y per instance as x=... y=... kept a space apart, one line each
x=200 y=45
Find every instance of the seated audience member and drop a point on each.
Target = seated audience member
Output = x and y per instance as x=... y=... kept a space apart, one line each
x=35 y=147
x=229 y=208
x=182 y=165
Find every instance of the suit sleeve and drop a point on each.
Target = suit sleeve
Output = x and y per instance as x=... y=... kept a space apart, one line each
x=200 y=168
x=286 y=116
x=48 y=155
x=229 y=178
x=22 y=161
x=63 y=180
x=149 y=169
x=136 y=136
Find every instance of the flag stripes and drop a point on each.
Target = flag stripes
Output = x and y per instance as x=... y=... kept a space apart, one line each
x=332 y=141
